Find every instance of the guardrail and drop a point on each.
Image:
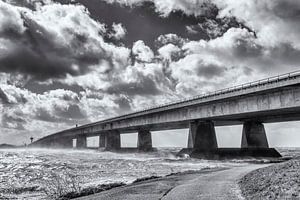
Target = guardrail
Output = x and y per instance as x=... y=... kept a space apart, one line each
x=270 y=80
x=244 y=86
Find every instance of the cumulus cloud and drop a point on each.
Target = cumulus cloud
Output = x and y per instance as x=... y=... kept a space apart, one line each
x=274 y=22
x=213 y=27
x=119 y=31
x=142 y=52
x=53 y=41
x=165 y=7
x=3 y=97
x=169 y=52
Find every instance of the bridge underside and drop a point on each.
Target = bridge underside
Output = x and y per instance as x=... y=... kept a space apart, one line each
x=252 y=108
x=273 y=116
x=202 y=140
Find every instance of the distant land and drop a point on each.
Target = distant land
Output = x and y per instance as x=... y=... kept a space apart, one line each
x=5 y=146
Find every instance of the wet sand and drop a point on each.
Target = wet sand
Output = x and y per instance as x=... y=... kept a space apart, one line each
x=205 y=184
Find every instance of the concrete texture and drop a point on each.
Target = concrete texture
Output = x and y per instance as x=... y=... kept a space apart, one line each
x=265 y=102
x=202 y=135
x=81 y=142
x=113 y=140
x=229 y=153
x=102 y=140
x=144 y=142
x=254 y=135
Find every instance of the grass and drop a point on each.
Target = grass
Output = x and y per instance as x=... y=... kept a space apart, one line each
x=67 y=186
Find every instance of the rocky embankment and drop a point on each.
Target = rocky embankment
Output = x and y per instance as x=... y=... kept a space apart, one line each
x=279 y=181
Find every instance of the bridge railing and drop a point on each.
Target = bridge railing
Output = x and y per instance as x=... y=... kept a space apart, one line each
x=265 y=81
x=269 y=80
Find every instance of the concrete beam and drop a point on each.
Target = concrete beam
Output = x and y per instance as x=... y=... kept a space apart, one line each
x=81 y=142
x=63 y=142
x=113 y=140
x=101 y=140
x=202 y=135
x=144 y=142
x=254 y=135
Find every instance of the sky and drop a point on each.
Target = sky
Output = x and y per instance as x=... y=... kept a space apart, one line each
x=67 y=62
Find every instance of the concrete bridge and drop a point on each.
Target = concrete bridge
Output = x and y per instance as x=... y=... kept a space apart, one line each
x=274 y=99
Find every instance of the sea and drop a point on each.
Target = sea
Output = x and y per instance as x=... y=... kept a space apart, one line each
x=27 y=173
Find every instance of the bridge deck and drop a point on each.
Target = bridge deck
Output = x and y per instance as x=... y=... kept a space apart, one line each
x=268 y=84
x=262 y=84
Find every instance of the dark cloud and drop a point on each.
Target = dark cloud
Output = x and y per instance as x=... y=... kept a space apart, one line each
x=210 y=71
x=36 y=53
x=288 y=10
x=15 y=121
x=60 y=115
x=3 y=97
x=144 y=86
x=39 y=88
x=72 y=112
x=43 y=115
x=144 y=22
x=124 y=104
x=31 y=4
x=215 y=27
x=247 y=49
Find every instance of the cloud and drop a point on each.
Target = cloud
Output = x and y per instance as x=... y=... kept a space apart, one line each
x=34 y=41
x=213 y=27
x=119 y=31
x=3 y=97
x=169 y=52
x=13 y=121
x=239 y=47
x=142 y=52
x=25 y=107
x=274 y=22
x=165 y=7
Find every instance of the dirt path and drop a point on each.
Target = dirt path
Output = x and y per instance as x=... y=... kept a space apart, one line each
x=210 y=184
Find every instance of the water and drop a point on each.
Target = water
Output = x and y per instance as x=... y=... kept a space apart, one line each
x=28 y=173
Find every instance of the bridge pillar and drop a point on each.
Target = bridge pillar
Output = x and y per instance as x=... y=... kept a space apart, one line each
x=81 y=142
x=144 y=142
x=63 y=142
x=101 y=140
x=254 y=135
x=113 y=140
x=202 y=135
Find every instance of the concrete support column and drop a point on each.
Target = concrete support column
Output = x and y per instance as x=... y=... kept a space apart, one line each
x=254 y=135
x=81 y=142
x=113 y=140
x=102 y=141
x=62 y=142
x=202 y=135
x=144 y=142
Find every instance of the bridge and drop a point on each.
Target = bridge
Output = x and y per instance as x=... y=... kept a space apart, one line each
x=274 y=99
